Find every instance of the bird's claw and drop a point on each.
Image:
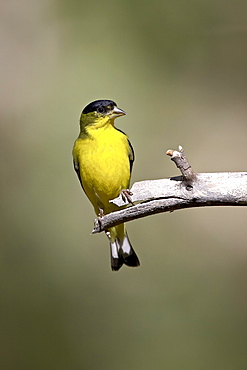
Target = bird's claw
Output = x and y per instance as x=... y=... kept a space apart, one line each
x=126 y=195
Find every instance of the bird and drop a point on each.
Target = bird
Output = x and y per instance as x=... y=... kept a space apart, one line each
x=103 y=159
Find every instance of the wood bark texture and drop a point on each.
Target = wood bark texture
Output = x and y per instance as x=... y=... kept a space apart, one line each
x=189 y=190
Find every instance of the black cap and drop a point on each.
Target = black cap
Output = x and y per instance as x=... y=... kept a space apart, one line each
x=101 y=106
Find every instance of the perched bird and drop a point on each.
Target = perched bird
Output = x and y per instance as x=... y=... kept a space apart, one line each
x=103 y=158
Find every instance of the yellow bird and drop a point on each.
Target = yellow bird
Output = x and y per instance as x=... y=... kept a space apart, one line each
x=103 y=159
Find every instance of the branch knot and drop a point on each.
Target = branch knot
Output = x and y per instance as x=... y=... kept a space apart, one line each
x=182 y=163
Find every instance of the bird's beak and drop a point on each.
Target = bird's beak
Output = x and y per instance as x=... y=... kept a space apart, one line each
x=117 y=112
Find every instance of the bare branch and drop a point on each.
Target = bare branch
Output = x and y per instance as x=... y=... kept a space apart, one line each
x=186 y=191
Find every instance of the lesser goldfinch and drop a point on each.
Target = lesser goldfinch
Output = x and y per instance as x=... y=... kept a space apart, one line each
x=103 y=158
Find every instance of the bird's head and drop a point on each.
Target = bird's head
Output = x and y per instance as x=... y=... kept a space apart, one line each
x=100 y=113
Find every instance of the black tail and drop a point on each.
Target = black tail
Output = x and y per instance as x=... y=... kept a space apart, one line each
x=122 y=252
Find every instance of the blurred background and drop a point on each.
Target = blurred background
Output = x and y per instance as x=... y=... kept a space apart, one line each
x=179 y=69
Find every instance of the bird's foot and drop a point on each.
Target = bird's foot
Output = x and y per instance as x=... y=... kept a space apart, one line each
x=126 y=195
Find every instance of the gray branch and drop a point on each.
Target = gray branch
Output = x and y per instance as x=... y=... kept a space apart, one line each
x=189 y=190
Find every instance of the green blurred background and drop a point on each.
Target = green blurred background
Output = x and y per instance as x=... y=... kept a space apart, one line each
x=179 y=69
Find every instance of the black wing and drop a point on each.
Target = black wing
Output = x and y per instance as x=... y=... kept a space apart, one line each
x=131 y=156
x=131 y=152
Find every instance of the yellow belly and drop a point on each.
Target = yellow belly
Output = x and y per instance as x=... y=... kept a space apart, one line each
x=104 y=166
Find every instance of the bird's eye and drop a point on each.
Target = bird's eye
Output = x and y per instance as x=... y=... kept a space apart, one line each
x=101 y=110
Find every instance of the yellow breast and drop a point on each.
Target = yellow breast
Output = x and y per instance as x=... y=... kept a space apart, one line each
x=103 y=160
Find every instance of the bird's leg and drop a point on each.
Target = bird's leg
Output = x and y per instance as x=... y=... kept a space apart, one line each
x=126 y=195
